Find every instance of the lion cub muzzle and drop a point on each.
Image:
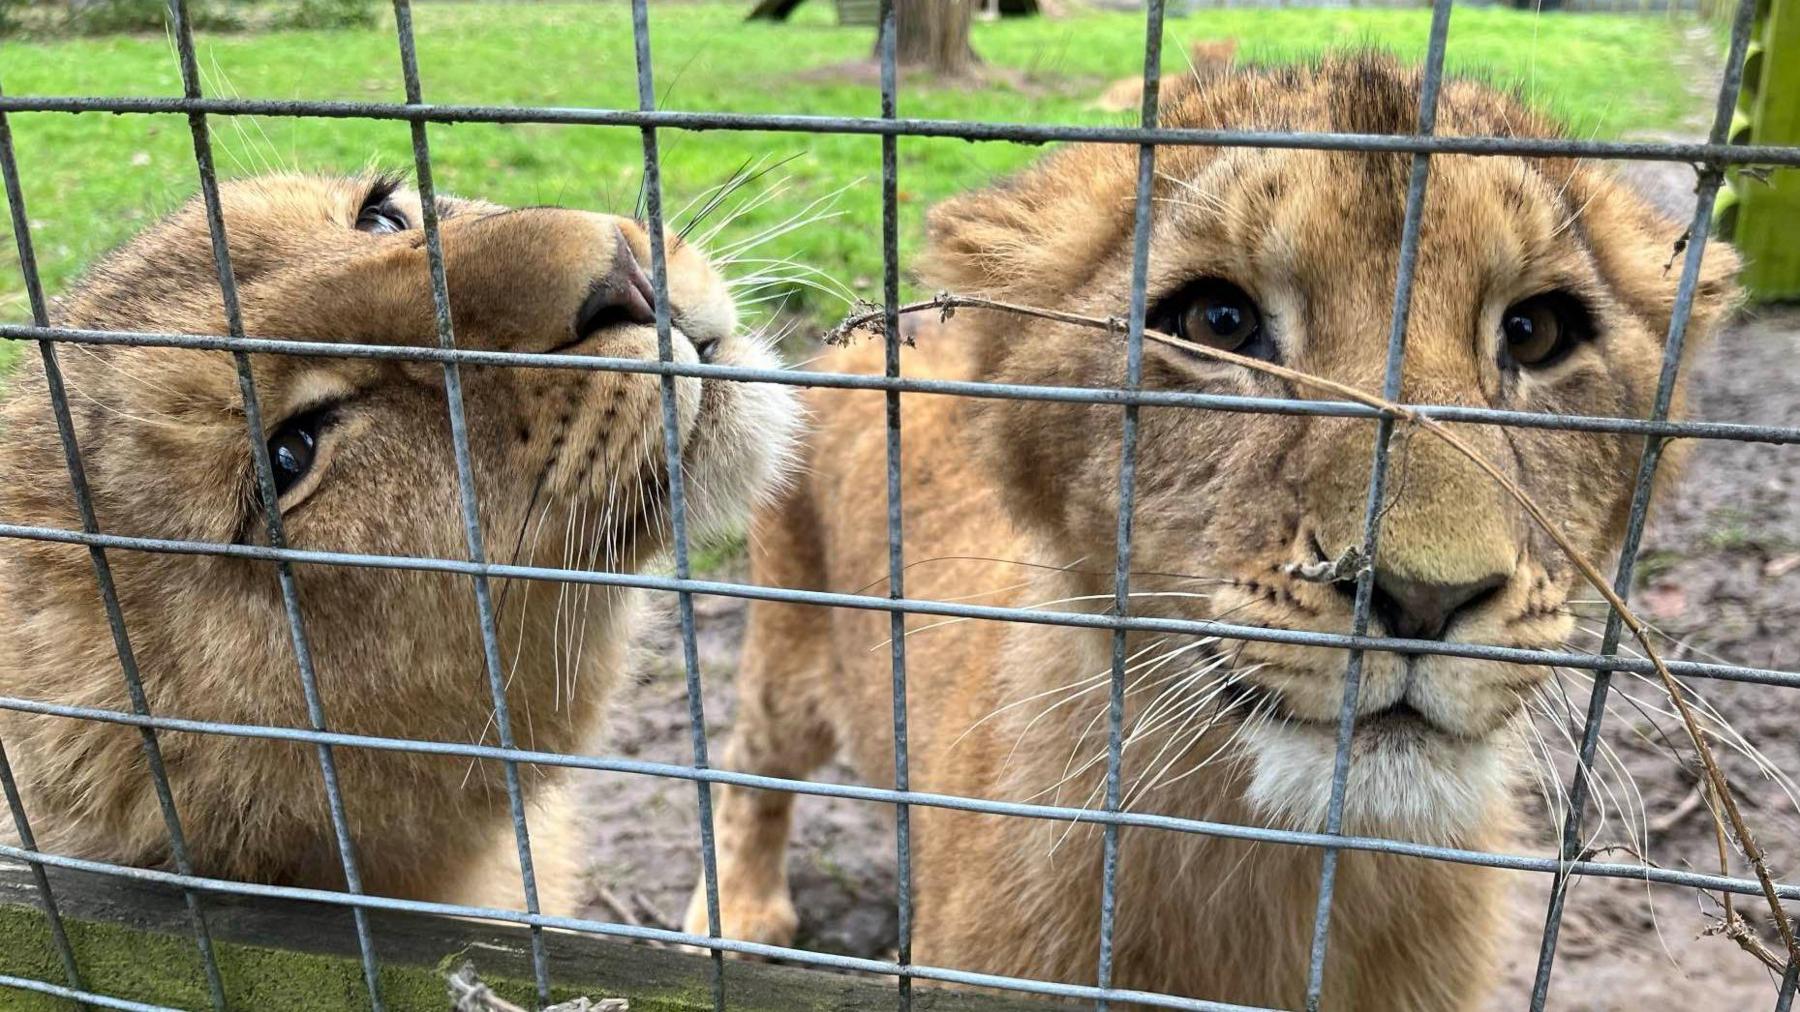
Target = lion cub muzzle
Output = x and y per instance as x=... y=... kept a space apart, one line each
x=1449 y=538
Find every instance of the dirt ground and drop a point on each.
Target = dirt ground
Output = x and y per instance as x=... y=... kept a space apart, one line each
x=1719 y=572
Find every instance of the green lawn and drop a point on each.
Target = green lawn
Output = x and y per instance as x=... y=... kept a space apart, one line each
x=91 y=180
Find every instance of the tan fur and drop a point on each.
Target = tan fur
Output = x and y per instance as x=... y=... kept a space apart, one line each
x=1224 y=503
x=569 y=470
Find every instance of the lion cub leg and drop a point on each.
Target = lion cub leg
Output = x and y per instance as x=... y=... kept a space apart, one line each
x=778 y=732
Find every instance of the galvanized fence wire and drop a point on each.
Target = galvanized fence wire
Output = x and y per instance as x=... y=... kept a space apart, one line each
x=1570 y=862
x=969 y=130
x=665 y=352
x=890 y=308
x=134 y=685
x=1377 y=495
x=265 y=485
x=76 y=994
x=1640 y=500
x=1134 y=375
x=1735 y=431
x=59 y=937
x=465 y=479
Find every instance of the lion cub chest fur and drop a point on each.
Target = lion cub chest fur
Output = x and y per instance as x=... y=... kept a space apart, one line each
x=569 y=468
x=1539 y=287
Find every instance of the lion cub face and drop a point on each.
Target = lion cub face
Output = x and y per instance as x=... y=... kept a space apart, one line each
x=569 y=468
x=361 y=448
x=569 y=465
x=1541 y=286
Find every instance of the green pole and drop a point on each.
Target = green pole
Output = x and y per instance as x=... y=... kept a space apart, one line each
x=1760 y=211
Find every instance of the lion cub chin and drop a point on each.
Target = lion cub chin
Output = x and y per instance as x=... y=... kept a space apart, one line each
x=570 y=469
x=1540 y=286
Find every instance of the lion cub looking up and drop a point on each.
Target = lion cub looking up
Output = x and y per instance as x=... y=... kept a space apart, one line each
x=569 y=467
x=1541 y=287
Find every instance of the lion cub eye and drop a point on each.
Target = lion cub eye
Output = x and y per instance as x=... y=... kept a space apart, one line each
x=1215 y=313
x=293 y=448
x=1542 y=330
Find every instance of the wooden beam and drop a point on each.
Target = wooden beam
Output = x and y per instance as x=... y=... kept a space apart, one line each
x=133 y=940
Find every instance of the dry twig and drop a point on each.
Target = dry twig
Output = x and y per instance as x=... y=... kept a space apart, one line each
x=1719 y=793
x=469 y=994
x=618 y=906
x=1674 y=816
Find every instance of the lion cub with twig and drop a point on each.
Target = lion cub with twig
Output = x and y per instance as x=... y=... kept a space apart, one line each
x=569 y=467
x=1541 y=286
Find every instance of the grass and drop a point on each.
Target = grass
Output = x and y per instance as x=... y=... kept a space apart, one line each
x=92 y=180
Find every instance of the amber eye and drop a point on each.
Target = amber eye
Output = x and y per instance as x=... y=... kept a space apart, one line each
x=1541 y=330
x=1214 y=313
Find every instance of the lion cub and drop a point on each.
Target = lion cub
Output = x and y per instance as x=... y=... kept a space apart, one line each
x=570 y=470
x=1541 y=287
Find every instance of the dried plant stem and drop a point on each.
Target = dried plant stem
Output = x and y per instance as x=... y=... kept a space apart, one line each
x=469 y=994
x=1719 y=791
x=1674 y=817
x=1733 y=926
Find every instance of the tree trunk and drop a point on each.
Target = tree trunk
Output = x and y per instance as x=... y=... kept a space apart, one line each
x=934 y=34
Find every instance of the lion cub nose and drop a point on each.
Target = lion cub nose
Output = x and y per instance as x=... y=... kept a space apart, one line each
x=1423 y=609
x=621 y=295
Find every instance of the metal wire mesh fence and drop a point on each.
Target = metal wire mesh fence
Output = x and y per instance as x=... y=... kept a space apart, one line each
x=1602 y=6
x=1711 y=157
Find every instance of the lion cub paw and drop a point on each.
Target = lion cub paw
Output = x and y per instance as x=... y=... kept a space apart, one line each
x=768 y=918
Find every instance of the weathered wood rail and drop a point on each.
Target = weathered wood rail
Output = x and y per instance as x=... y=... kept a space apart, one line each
x=133 y=940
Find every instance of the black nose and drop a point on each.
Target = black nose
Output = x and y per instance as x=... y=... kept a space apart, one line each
x=622 y=295
x=707 y=349
x=1422 y=609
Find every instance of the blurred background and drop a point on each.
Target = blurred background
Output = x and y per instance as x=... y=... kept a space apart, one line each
x=1648 y=70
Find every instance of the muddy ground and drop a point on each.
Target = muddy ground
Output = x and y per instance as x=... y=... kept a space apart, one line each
x=1719 y=572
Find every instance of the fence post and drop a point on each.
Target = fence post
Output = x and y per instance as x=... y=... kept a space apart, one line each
x=1760 y=210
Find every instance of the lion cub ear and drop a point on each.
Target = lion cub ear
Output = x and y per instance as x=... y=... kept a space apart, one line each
x=1641 y=253
x=1031 y=237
